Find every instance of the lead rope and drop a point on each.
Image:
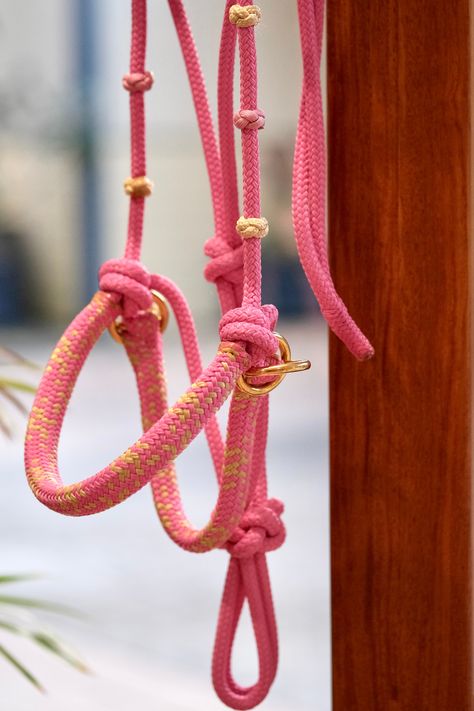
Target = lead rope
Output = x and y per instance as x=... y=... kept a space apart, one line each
x=132 y=303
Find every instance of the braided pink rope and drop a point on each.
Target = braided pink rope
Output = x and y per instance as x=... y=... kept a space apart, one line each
x=247 y=576
x=244 y=520
x=225 y=248
x=309 y=185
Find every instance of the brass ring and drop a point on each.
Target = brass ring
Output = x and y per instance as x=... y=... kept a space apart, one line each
x=278 y=369
x=159 y=308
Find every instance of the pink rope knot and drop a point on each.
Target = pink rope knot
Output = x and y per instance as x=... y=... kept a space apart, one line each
x=226 y=261
x=130 y=281
x=249 y=118
x=138 y=81
x=253 y=325
x=261 y=530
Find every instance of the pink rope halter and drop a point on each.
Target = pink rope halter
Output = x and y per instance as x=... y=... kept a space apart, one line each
x=251 y=358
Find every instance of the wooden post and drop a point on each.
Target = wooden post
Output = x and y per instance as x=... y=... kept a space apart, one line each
x=400 y=241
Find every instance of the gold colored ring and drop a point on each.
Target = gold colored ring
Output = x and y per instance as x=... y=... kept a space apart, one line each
x=159 y=309
x=278 y=369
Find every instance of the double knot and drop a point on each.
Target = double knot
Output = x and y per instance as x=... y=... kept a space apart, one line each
x=254 y=326
x=130 y=282
x=138 y=82
x=249 y=118
x=226 y=261
x=261 y=530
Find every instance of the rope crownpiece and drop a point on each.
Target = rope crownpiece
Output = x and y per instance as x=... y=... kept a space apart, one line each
x=245 y=15
x=249 y=227
x=138 y=187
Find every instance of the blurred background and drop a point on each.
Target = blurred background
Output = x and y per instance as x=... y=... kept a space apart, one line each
x=149 y=609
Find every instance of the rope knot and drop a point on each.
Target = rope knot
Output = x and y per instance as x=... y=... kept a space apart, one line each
x=252 y=325
x=261 y=530
x=138 y=82
x=130 y=282
x=249 y=227
x=245 y=15
x=226 y=261
x=138 y=187
x=249 y=118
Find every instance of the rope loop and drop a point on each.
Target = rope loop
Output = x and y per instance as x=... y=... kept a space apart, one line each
x=130 y=282
x=261 y=530
x=138 y=82
x=249 y=118
x=254 y=326
x=245 y=15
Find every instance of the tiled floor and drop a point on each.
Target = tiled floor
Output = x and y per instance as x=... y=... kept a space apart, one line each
x=151 y=608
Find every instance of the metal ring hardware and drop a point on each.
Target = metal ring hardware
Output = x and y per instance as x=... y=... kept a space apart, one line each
x=279 y=370
x=159 y=309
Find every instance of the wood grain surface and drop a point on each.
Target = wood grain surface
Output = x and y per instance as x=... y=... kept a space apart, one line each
x=401 y=479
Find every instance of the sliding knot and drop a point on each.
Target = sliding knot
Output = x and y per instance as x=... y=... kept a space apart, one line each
x=254 y=326
x=138 y=82
x=130 y=282
x=249 y=227
x=226 y=261
x=249 y=118
x=261 y=530
x=245 y=15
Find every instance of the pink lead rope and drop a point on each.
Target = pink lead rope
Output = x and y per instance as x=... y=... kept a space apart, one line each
x=251 y=359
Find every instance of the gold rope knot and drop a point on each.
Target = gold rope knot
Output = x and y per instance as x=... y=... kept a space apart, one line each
x=138 y=187
x=245 y=15
x=248 y=227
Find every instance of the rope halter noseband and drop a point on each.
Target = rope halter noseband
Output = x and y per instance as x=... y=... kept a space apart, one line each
x=251 y=359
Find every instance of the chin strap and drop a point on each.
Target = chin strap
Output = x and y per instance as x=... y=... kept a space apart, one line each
x=251 y=359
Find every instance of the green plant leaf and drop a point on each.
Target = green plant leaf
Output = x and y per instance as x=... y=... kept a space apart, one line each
x=21 y=668
x=55 y=646
x=47 y=641
x=38 y=604
x=17 y=385
x=4 y=426
x=11 y=357
x=15 y=401
x=18 y=577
